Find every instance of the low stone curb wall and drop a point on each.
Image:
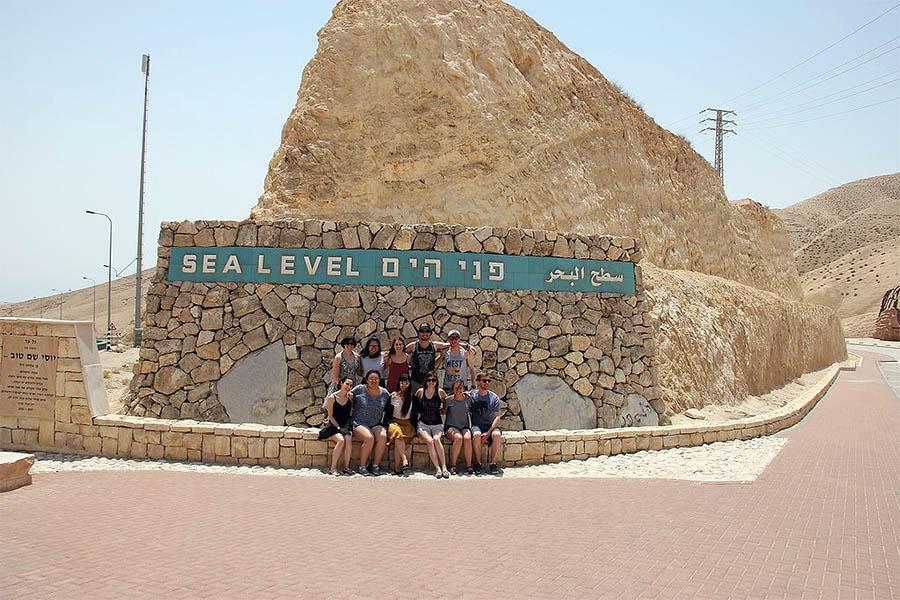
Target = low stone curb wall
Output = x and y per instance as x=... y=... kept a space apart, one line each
x=249 y=443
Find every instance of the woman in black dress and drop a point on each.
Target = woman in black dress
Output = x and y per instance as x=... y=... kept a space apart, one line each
x=337 y=425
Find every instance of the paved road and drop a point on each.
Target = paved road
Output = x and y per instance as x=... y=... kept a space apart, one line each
x=890 y=370
x=823 y=521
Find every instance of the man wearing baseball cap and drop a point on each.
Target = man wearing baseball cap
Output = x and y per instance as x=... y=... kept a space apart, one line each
x=423 y=356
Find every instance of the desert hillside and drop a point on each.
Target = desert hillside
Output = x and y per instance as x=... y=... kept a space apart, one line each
x=847 y=246
x=468 y=111
x=79 y=305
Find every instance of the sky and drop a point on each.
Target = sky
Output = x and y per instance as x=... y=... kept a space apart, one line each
x=225 y=76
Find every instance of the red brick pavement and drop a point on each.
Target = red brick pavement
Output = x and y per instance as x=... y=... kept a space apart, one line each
x=821 y=522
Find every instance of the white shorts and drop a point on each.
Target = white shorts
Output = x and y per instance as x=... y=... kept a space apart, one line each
x=432 y=430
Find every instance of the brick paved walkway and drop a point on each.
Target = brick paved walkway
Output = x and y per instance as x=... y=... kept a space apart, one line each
x=821 y=522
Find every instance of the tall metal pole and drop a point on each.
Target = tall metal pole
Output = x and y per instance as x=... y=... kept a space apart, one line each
x=721 y=129
x=94 y=289
x=138 y=330
x=109 y=278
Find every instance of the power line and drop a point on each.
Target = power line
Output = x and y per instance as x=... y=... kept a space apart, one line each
x=854 y=67
x=782 y=156
x=843 y=112
x=796 y=110
x=806 y=60
x=852 y=87
x=797 y=156
x=812 y=162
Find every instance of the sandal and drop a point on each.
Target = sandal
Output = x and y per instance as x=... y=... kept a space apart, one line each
x=453 y=471
x=470 y=470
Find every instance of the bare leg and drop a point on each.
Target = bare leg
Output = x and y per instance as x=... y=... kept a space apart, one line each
x=497 y=448
x=476 y=447
x=366 y=442
x=380 y=442
x=339 y=443
x=439 y=450
x=348 y=448
x=399 y=454
x=467 y=447
x=456 y=441
x=429 y=443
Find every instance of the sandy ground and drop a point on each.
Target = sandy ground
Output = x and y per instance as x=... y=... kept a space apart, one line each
x=117 y=375
x=753 y=405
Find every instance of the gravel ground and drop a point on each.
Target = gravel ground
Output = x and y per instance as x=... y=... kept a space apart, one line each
x=739 y=460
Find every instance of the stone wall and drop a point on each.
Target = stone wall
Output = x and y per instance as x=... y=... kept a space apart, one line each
x=600 y=346
x=254 y=444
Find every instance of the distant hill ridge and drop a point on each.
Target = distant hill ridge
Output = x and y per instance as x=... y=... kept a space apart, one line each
x=847 y=246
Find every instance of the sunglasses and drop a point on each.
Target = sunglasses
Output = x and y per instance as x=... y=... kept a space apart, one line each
x=431 y=379
x=486 y=379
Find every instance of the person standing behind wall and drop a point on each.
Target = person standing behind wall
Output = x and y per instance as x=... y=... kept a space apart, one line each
x=396 y=363
x=458 y=363
x=373 y=359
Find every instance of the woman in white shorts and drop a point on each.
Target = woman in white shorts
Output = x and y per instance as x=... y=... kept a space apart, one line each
x=428 y=405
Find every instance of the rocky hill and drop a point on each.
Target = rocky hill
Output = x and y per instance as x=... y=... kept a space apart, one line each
x=468 y=111
x=847 y=245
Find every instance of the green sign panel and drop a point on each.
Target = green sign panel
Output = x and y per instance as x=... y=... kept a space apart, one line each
x=395 y=267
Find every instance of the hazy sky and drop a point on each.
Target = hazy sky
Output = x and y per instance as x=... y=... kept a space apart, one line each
x=225 y=77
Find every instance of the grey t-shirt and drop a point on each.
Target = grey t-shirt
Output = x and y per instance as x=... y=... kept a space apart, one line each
x=457 y=412
x=368 y=410
x=484 y=407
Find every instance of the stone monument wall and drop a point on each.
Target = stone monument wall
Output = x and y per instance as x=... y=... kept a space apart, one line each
x=261 y=352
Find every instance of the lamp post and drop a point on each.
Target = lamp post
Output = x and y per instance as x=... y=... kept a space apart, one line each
x=94 y=289
x=138 y=330
x=109 y=278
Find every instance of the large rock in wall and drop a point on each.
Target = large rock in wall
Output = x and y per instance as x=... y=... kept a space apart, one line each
x=719 y=341
x=467 y=111
x=598 y=344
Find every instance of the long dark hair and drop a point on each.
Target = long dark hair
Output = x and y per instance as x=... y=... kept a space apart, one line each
x=392 y=351
x=407 y=396
x=368 y=353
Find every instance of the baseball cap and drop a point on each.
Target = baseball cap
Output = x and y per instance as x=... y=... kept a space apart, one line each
x=454 y=332
x=424 y=327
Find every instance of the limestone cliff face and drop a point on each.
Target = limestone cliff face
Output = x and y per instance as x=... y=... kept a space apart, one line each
x=719 y=341
x=467 y=111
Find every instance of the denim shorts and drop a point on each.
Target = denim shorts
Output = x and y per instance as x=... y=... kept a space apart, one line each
x=431 y=430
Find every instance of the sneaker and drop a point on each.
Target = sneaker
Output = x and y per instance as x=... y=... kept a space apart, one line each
x=347 y=472
x=470 y=470
x=376 y=470
x=495 y=470
x=477 y=467
x=364 y=472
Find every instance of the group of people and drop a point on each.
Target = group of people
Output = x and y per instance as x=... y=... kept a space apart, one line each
x=379 y=396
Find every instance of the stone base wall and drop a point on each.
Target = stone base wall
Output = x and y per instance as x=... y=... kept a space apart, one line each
x=253 y=444
x=599 y=345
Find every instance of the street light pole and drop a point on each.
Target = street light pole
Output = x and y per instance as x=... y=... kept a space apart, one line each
x=94 y=289
x=109 y=279
x=138 y=330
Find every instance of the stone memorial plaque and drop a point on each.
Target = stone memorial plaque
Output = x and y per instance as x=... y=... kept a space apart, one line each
x=28 y=376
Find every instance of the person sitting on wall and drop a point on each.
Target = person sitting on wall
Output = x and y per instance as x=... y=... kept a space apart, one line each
x=458 y=426
x=369 y=402
x=398 y=419
x=428 y=410
x=457 y=362
x=373 y=359
x=396 y=363
x=337 y=425
x=485 y=422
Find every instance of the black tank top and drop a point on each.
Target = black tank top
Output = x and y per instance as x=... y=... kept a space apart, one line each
x=341 y=412
x=422 y=362
x=430 y=410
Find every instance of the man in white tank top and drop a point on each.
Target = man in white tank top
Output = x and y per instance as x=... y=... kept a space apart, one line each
x=458 y=363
